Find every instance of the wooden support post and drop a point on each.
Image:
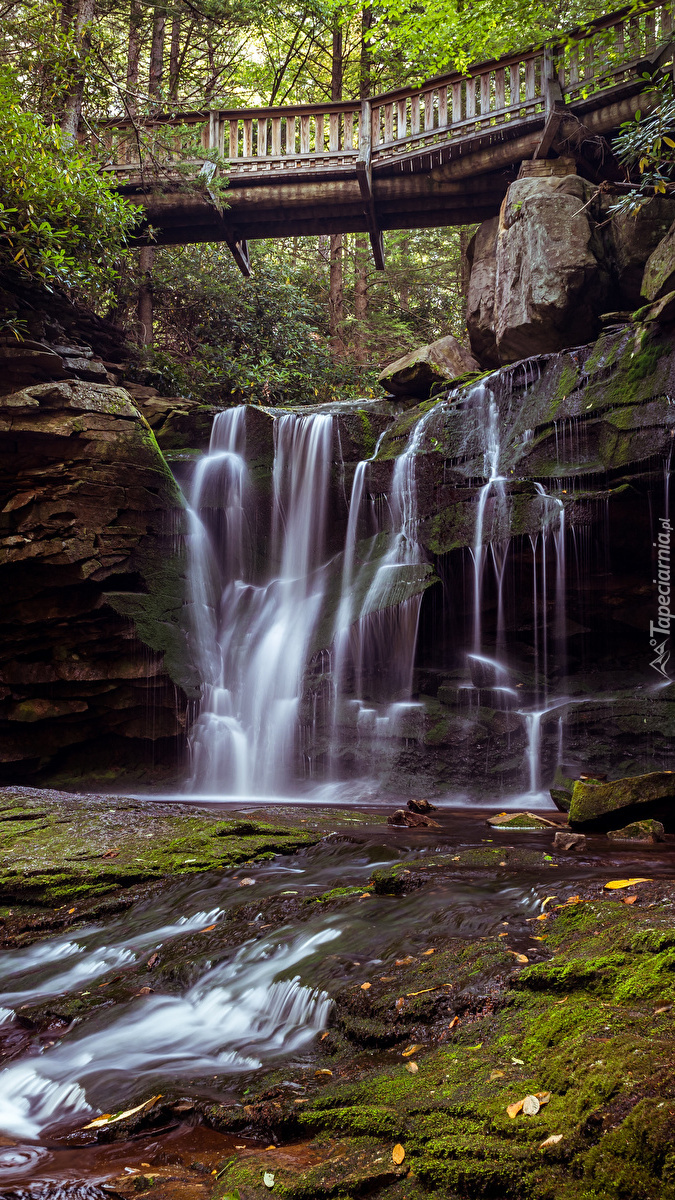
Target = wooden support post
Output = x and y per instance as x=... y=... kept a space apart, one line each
x=238 y=248
x=364 y=175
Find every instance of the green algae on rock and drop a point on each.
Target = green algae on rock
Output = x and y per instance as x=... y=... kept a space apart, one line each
x=607 y=805
x=638 y=832
x=56 y=847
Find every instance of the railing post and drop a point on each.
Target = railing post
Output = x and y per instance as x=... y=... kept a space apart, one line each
x=553 y=96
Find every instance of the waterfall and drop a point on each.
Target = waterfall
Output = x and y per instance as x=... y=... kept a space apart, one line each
x=495 y=481
x=252 y=639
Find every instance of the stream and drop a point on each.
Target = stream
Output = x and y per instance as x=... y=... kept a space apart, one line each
x=260 y=994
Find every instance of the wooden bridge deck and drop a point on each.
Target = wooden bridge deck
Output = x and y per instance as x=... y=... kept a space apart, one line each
x=440 y=154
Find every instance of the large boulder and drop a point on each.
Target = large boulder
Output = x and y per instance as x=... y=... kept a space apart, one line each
x=618 y=803
x=480 y=302
x=422 y=371
x=552 y=280
x=635 y=237
x=659 y=276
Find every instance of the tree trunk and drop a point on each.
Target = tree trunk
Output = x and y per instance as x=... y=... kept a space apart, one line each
x=365 y=60
x=145 y=306
x=72 y=110
x=361 y=252
x=464 y=272
x=157 y=55
x=336 y=310
x=134 y=55
x=174 y=55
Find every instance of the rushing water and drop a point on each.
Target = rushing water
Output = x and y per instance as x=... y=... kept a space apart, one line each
x=263 y=1000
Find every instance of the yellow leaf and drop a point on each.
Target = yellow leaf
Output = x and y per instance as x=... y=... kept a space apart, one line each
x=108 y=1120
x=515 y=1108
x=629 y=899
x=410 y=1050
x=496 y=1075
x=365 y=986
x=323 y=1071
x=433 y=989
x=412 y=1067
x=521 y=958
x=614 y=884
x=543 y=1097
x=552 y=1140
x=398 y=1154
x=669 y=142
x=548 y=901
x=432 y=951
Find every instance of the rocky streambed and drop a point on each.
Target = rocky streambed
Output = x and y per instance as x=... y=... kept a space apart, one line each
x=304 y=1000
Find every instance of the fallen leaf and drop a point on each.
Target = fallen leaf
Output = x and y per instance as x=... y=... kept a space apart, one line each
x=145 y=1164
x=666 y=1008
x=405 y=962
x=365 y=986
x=521 y=958
x=153 y=960
x=518 y=1061
x=387 y=978
x=365 y=895
x=543 y=917
x=563 y=1001
x=547 y=901
x=106 y=1119
x=207 y=929
x=272 y=1147
x=433 y=989
x=410 y=1050
x=71 y=910
x=502 y=864
x=246 y=882
x=432 y=951
x=111 y=854
x=552 y=1140
x=268 y=1179
x=145 y=991
x=324 y=1035
x=398 y=1154
x=514 y=1109
x=543 y=1098
x=502 y=935
x=323 y=1071
x=531 y=1106
x=614 y=884
x=400 y=1003
x=454 y=1021
x=496 y=1075
x=412 y=1067
x=476 y=1047
x=629 y=899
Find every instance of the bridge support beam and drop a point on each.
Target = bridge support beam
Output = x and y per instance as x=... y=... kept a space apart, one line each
x=238 y=248
x=364 y=174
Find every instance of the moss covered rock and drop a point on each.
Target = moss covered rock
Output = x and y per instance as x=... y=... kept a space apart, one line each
x=607 y=805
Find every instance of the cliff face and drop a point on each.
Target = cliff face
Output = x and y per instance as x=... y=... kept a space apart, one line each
x=90 y=522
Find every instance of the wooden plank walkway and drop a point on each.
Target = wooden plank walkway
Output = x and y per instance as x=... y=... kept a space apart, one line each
x=440 y=154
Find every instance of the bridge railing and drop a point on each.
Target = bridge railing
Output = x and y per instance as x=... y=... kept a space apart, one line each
x=405 y=122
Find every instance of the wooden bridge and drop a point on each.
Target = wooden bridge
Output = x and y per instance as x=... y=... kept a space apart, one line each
x=436 y=155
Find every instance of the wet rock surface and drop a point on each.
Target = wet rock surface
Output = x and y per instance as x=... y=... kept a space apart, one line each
x=421 y=372
x=611 y=805
x=437 y=1026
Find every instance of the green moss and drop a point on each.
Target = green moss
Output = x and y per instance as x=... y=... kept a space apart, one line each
x=369 y=440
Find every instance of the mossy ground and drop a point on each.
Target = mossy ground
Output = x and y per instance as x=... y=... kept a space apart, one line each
x=64 y=850
x=592 y=1025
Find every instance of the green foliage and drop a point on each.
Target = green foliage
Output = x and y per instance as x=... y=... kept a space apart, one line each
x=219 y=336
x=646 y=145
x=59 y=220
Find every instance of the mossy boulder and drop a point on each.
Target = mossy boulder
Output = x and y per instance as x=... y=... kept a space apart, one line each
x=646 y=832
x=608 y=805
x=418 y=373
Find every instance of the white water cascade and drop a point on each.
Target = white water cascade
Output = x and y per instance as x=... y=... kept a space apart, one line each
x=252 y=639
